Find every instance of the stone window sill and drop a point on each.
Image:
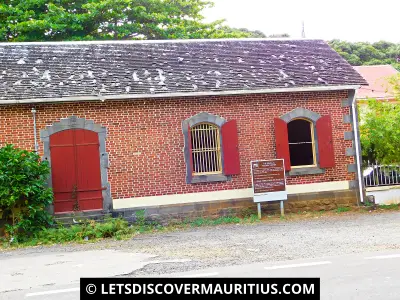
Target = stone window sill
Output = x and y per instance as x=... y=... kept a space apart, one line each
x=305 y=171
x=209 y=178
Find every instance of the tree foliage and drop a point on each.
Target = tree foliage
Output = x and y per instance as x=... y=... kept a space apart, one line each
x=361 y=53
x=380 y=130
x=23 y=193
x=244 y=31
x=62 y=20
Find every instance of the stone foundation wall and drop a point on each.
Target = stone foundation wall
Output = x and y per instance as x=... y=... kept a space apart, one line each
x=295 y=203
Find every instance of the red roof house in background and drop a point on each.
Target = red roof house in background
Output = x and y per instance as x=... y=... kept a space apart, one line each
x=377 y=87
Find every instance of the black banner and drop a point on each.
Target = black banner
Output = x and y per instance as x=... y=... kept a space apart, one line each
x=268 y=288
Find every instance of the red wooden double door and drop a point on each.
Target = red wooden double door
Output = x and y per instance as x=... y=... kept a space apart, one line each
x=75 y=168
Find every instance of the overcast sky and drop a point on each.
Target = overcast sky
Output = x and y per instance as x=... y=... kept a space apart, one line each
x=351 y=20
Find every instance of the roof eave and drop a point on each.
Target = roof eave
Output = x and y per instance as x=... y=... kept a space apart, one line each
x=181 y=94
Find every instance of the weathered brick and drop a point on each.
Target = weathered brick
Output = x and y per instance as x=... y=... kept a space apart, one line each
x=145 y=140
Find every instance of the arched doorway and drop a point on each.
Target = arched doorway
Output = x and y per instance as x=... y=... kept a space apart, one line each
x=75 y=149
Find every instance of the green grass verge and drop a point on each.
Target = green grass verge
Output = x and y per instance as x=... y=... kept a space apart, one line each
x=342 y=209
x=115 y=228
x=389 y=206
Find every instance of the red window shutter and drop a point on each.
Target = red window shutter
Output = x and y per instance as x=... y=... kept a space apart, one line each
x=230 y=146
x=282 y=142
x=325 y=142
x=190 y=170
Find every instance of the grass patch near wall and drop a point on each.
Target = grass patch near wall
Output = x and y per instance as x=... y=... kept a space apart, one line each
x=388 y=206
x=118 y=228
x=343 y=209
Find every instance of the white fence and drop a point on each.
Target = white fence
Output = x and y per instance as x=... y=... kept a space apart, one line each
x=381 y=175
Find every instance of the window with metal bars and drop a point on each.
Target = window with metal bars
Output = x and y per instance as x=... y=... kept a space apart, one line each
x=206 y=149
x=301 y=143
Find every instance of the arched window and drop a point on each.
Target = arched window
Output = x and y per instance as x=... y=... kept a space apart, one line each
x=211 y=150
x=304 y=139
x=206 y=149
x=301 y=143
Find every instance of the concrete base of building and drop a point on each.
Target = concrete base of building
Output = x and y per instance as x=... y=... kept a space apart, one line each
x=296 y=203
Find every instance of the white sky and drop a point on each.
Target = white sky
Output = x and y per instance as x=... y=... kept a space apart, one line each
x=351 y=20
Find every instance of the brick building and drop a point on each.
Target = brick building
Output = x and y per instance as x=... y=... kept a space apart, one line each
x=171 y=126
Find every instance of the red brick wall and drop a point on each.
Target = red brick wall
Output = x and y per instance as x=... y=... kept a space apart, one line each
x=145 y=139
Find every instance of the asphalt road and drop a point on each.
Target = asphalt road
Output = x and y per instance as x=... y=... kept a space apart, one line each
x=357 y=256
x=367 y=276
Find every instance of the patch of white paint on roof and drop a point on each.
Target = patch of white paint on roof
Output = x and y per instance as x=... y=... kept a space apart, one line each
x=46 y=75
x=21 y=61
x=160 y=77
x=128 y=89
x=18 y=82
x=38 y=61
x=195 y=87
x=217 y=84
x=146 y=73
x=284 y=75
x=90 y=74
x=217 y=73
x=24 y=75
x=135 y=77
x=240 y=60
x=103 y=88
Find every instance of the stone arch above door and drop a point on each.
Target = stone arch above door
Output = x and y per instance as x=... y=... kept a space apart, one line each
x=74 y=122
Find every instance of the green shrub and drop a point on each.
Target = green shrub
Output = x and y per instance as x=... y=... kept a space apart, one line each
x=23 y=192
x=89 y=230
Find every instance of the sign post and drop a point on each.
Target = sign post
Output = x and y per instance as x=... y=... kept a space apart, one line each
x=269 y=182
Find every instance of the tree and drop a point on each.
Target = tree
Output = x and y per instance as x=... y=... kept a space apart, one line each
x=245 y=31
x=380 y=130
x=368 y=54
x=61 y=20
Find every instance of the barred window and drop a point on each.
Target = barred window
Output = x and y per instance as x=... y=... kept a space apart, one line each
x=206 y=149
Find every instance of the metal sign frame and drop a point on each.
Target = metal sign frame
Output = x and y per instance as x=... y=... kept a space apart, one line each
x=268 y=196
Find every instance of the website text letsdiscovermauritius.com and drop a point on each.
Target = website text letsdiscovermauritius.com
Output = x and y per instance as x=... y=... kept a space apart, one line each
x=207 y=289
